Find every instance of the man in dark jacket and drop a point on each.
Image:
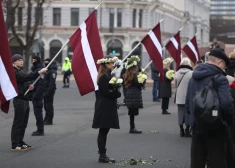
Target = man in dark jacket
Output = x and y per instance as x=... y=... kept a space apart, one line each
x=156 y=83
x=37 y=97
x=50 y=88
x=21 y=104
x=204 y=143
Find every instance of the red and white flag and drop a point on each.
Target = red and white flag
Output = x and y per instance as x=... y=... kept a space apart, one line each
x=152 y=43
x=87 y=49
x=191 y=49
x=8 y=85
x=174 y=48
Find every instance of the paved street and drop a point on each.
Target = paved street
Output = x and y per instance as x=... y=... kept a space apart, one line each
x=71 y=142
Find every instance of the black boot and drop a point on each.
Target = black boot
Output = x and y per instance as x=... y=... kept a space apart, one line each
x=103 y=158
x=182 y=131
x=48 y=122
x=38 y=133
x=133 y=130
x=187 y=132
x=165 y=112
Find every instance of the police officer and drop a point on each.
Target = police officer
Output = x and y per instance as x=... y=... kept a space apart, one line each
x=67 y=70
x=21 y=104
x=50 y=88
x=37 y=97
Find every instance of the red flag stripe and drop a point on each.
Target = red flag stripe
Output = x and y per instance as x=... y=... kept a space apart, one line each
x=191 y=49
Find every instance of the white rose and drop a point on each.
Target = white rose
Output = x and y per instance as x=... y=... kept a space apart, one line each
x=135 y=63
x=119 y=81
x=111 y=82
x=113 y=79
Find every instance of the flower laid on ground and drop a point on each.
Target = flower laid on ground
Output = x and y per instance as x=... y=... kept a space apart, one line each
x=170 y=74
x=141 y=78
x=107 y=60
x=116 y=83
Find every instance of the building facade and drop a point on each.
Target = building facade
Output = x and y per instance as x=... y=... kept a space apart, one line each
x=222 y=19
x=122 y=24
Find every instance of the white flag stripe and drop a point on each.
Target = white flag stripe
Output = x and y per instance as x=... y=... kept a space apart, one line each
x=155 y=41
x=181 y=56
x=192 y=47
x=175 y=43
x=8 y=89
x=88 y=55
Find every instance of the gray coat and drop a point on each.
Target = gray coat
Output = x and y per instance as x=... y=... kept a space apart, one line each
x=182 y=77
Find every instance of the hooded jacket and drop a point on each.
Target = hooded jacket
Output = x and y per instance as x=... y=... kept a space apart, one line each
x=66 y=65
x=39 y=86
x=50 y=79
x=201 y=76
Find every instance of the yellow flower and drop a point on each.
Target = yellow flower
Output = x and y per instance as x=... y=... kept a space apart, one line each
x=119 y=81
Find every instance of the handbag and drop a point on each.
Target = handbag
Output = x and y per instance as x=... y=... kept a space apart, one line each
x=178 y=86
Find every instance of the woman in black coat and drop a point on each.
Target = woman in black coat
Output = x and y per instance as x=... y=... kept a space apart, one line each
x=165 y=87
x=106 y=115
x=133 y=98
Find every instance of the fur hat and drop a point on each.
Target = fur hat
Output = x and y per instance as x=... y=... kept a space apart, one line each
x=16 y=57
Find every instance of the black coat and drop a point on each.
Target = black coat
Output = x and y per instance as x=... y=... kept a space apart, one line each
x=165 y=87
x=154 y=72
x=23 y=81
x=106 y=115
x=50 y=80
x=38 y=90
x=231 y=68
x=133 y=97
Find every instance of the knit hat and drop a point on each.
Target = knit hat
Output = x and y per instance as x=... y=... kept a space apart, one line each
x=47 y=59
x=16 y=57
x=37 y=58
x=218 y=53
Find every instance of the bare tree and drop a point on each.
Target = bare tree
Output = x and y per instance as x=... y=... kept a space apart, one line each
x=27 y=31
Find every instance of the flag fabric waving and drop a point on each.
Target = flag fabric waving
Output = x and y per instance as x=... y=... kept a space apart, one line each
x=191 y=49
x=87 y=49
x=8 y=85
x=174 y=48
x=152 y=43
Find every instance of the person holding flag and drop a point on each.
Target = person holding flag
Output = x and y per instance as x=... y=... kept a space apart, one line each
x=106 y=115
x=21 y=104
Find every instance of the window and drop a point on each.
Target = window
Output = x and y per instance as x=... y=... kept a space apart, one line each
x=140 y=18
x=195 y=30
x=119 y=17
x=56 y=16
x=111 y=19
x=74 y=16
x=91 y=10
x=134 y=18
x=20 y=16
x=40 y=13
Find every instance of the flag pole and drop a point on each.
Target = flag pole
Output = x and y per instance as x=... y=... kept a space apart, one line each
x=151 y=61
x=55 y=57
x=137 y=45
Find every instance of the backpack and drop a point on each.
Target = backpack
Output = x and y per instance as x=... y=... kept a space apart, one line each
x=206 y=107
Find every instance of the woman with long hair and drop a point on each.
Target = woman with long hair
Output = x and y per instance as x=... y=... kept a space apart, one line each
x=106 y=115
x=165 y=87
x=134 y=82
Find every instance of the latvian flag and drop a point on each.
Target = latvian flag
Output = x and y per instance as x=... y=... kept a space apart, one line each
x=152 y=43
x=86 y=46
x=191 y=49
x=8 y=86
x=174 y=48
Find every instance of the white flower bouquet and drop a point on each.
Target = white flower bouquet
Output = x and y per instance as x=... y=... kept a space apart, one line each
x=170 y=74
x=141 y=78
x=116 y=83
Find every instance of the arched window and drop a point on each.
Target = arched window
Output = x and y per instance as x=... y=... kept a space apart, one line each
x=114 y=48
x=15 y=47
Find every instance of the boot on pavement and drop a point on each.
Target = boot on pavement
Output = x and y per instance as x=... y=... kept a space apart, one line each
x=103 y=158
x=38 y=133
x=182 y=131
x=165 y=112
x=187 y=132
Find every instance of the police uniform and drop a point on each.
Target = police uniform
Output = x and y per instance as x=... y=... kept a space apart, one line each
x=50 y=88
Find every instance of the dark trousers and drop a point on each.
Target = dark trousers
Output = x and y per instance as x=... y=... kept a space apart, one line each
x=66 y=77
x=132 y=121
x=215 y=148
x=49 y=107
x=37 y=107
x=155 y=89
x=101 y=140
x=20 y=122
x=165 y=103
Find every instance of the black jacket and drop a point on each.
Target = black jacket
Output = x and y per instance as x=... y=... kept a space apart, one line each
x=165 y=87
x=154 y=72
x=39 y=86
x=23 y=81
x=106 y=115
x=202 y=75
x=231 y=68
x=50 y=80
x=133 y=97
